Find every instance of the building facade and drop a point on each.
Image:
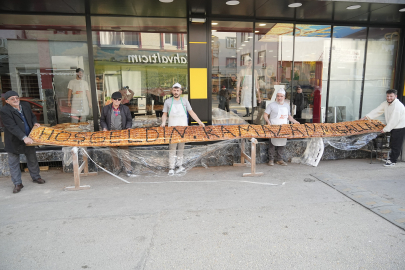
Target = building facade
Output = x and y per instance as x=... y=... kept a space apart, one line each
x=343 y=57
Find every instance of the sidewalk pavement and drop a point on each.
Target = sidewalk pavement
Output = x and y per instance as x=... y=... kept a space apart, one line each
x=293 y=217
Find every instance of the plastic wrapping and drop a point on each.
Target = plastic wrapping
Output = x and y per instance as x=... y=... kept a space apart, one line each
x=151 y=161
x=221 y=117
x=354 y=142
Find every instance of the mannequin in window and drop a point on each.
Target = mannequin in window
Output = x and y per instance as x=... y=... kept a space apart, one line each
x=248 y=92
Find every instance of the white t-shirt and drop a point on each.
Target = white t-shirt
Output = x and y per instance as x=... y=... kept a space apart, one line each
x=272 y=109
x=78 y=86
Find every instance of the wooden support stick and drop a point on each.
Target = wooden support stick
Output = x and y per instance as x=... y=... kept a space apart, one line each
x=76 y=171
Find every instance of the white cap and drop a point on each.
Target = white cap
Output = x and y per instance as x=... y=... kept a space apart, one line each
x=176 y=85
x=281 y=91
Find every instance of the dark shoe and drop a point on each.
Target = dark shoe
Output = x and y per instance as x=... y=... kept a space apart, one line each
x=246 y=115
x=117 y=171
x=17 y=188
x=39 y=181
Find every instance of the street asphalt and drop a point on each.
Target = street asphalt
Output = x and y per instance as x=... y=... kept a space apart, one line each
x=343 y=214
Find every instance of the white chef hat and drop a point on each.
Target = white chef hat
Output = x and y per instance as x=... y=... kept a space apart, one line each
x=281 y=91
x=176 y=85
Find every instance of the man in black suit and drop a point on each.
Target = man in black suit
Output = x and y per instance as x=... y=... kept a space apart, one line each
x=18 y=120
x=116 y=116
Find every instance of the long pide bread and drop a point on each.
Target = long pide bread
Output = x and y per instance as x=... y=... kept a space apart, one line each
x=159 y=135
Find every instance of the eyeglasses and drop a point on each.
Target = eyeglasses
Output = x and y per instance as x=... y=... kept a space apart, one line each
x=119 y=99
x=13 y=98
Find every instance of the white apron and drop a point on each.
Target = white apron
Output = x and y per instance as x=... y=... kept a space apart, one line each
x=177 y=115
x=246 y=95
x=281 y=119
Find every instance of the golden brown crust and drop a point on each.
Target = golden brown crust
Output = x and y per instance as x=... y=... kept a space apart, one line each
x=159 y=135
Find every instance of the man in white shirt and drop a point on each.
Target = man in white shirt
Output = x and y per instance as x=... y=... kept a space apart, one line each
x=79 y=97
x=394 y=112
x=176 y=108
x=278 y=113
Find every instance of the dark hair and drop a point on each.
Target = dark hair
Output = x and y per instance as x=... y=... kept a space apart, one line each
x=392 y=91
x=79 y=69
x=298 y=86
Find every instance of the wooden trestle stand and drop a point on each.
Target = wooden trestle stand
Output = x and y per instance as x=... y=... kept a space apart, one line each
x=251 y=159
x=77 y=170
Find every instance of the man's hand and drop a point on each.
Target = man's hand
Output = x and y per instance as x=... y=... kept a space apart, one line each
x=296 y=123
x=69 y=104
x=163 y=125
x=259 y=100
x=90 y=106
x=28 y=140
x=201 y=124
x=37 y=124
x=104 y=129
x=237 y=99
x=382 y=131
x=364 y=118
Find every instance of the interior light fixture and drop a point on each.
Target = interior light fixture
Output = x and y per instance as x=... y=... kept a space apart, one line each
x=243 y=45
x=257 y=31
x=214 y=23
x=353 y=7
x=166 y=1
x=294 y=5
x=213 y=30
x=262 y=24
x=232 y=3
x=402 y=10
x=249 y=37
x=197 y=20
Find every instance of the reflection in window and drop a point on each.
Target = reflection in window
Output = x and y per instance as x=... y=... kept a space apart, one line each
x=382 y=50
x=346 y=73
x=230 y=42
x=310 y=72
x=118 y=38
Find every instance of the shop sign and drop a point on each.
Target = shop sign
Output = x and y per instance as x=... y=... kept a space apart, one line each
x=157 y=58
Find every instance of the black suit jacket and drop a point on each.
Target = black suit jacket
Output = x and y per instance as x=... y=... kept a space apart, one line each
x=126 y=119
x=14 y=129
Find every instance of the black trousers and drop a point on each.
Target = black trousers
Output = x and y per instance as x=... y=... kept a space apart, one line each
x=397 y=138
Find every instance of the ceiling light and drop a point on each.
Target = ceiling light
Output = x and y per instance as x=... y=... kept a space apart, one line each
x=271 y=51
x=232 y=3
x=214 y=23
x=402 y=10
x=246 y=40
x=249 y=37
x=294 y=5
x=197 y=20
x=353 y=7
x=243 y=45
x=213 y=30
x=257 y=31
x=262 y=24
x=166 y=1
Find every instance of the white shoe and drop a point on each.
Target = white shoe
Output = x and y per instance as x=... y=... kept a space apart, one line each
x=389 y=164
x=180 y=169
x=171 y=173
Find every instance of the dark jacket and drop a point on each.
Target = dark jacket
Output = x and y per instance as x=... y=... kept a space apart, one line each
x=105 y=120
x=299 y=101
x=14 y=129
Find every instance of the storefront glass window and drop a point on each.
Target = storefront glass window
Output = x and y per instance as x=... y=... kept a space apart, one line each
x=346 y=73
x=312 y=45
x=382 y=50
x=39 y=56
x=273 y=63
x=232 y=68
x=141 y=58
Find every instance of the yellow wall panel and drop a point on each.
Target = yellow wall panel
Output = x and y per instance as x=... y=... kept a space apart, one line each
x=198 y=83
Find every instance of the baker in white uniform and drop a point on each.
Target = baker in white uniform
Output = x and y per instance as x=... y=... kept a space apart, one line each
x=176 y=109
x=278 y=113
x=79 y=97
